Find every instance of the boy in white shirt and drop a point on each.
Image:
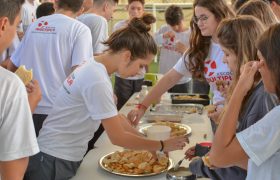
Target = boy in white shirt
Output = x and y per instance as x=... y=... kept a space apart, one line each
x=17 y=136
x=28 y=13
x=96 y=19
x=173 y=38
x=62 y=43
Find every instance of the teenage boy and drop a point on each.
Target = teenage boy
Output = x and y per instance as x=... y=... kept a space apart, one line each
x=17 y=135
x=96 y=19
x=53 y=47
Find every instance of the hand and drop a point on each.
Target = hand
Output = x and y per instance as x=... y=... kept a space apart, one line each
x=246 y=79
x=135 y=115
x=190 y=153
x=175 y=143
x=34 y=94
x=180 y=47
x=215 y=116
x=169 y=35
x=223 y=87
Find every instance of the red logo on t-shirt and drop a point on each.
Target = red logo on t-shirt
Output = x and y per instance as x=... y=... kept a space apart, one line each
x=209 y=67
x=43 y=27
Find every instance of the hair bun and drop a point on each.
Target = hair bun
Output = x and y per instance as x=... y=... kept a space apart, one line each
x=142 y=24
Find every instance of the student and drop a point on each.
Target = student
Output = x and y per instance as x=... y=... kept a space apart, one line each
x=86 y=99
x=257 y=147
x=274 y=4
x=237 y=37
x=173 y=39
x=96 y=19
x=28 y=13
x=62 y=43
x=202 y=60
x=125 y=87
x=260 y=10
x=45 y=9
x=17 y=136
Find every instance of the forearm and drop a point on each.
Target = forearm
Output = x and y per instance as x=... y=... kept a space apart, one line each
x=224 y=138
x=10 y=66
x=33 y=102
x=164 y=84
x=127 y=126
x=13 y=170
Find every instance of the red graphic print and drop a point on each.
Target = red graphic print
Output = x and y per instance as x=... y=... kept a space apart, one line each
x=210 y=66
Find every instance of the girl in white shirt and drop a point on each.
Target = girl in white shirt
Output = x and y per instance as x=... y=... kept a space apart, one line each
x=86 y=99
x=202 y=60
x=256 y=148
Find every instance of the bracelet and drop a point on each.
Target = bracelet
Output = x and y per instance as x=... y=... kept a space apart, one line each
x=141 y=106
x=162 y=146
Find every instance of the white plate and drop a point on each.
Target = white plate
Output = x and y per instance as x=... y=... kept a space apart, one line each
x=143 y=127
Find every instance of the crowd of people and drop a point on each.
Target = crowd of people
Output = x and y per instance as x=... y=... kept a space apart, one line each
x=48 y=125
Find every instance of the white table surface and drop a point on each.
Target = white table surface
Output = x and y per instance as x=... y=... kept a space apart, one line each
x=90 y=168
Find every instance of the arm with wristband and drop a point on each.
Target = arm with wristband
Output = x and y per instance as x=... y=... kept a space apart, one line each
x=165 y=83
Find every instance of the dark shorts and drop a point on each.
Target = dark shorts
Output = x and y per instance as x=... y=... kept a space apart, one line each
x=125 y=88
x=45 y=167
x=38 y=120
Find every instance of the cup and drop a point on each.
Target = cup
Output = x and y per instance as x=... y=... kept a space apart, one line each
x=158 y=132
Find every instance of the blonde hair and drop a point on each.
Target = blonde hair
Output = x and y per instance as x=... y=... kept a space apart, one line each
x=260 y=10
x=239 y=35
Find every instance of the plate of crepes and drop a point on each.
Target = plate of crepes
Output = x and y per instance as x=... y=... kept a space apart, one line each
x=24 y=74
x=134 y=163
x=177 y=129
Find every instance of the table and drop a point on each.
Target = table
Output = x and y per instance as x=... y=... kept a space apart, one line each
x=90 y=169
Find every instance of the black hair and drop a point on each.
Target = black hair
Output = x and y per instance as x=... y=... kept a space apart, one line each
x=72 y=5
x=141 y=1
x=45 y=9
x=174 y=15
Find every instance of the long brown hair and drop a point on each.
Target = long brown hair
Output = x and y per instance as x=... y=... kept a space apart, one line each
x=200 y=45
x=239 y=35
x=135 y=37
x=268 y=44
x=260 y=10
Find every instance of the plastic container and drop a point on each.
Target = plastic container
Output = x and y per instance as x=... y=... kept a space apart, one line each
x=142 y=94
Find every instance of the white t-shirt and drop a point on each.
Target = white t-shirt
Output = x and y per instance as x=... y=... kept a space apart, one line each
x=28 y=14
x=141 y=73
x=8 y=52
x=168 y=55
x=85 y=98
x=214 y=70
x=261 y=142
x=61 y=42
x=98 y=26
x=17 y=134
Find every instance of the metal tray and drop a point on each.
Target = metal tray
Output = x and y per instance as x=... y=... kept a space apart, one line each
x=143 y=127
x=103 y=166
x=169 y=117
x=178 y=108
x=204 y=99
